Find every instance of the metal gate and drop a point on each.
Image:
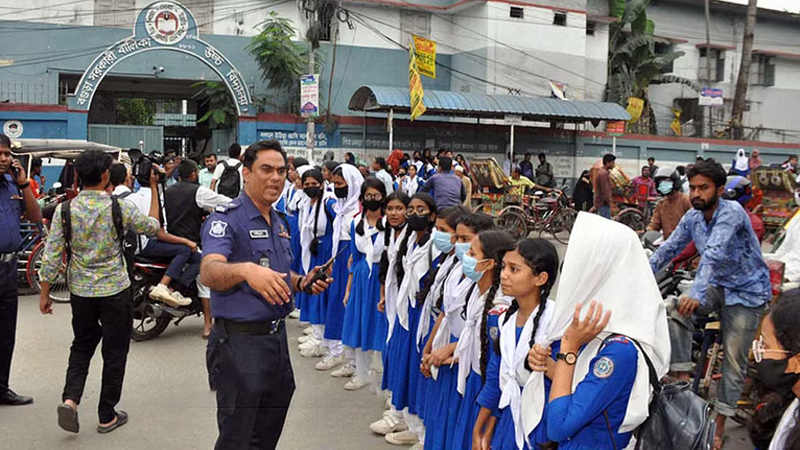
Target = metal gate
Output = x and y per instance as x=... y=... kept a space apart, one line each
x=128 y=136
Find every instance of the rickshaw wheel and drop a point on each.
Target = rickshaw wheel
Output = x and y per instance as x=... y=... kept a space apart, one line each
x=514 y=221
x=632 y=218
x=561 y=225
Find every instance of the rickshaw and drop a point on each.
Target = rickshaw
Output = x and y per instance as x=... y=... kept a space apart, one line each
x=546 y=210
x=778 y=203
x=53 y=152
x=625 y=207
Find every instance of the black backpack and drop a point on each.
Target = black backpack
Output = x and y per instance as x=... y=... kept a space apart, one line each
x=229 y=183
x=128 y=241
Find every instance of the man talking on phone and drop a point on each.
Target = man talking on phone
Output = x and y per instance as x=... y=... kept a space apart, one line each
x=16 y=198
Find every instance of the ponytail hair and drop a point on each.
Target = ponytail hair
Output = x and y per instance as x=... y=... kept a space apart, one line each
x=494 y=244
x=403 y=250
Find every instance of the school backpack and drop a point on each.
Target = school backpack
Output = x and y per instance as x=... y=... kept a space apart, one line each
x=229 y=183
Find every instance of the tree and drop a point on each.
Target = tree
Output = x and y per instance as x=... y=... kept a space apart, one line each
x=135 y=111
x=740 y=97
x=633 y=64
x=221 y=112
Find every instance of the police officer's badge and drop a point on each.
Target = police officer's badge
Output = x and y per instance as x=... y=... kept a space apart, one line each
x=218 y=228
x=603 y=368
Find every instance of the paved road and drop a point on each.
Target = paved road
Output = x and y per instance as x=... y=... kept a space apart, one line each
x=166 y=394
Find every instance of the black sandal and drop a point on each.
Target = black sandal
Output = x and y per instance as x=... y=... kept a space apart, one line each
x=122 y=419
x=68 y=418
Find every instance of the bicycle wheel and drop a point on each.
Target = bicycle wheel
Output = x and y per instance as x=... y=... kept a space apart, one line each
x=562 y=223
x=514 y=221
x=59 y=291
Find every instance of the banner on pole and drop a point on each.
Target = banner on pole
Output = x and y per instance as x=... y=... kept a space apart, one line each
x=415 y=92
x=615 y=128
x=711 y=97
x=309 y=95
x=635 y=107
x=426 y=56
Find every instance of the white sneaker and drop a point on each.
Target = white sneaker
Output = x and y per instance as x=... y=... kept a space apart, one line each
x=388 y=424
x=329 y=362
x=308 y=344
x=313 y=352
x=162 y=294
x=347 y=370
x=417 y=446
x=180 y=299
x=294 y=314
x=355 y=383
x=387 y=405
x=406 y=437
x=308 y=330
x=304 y=338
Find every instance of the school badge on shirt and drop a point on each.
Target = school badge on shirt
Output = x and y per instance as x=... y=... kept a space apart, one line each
x=603 y=368
x=218 y=228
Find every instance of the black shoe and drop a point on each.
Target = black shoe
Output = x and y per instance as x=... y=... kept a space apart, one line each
x=12 y=399
x=122 y=419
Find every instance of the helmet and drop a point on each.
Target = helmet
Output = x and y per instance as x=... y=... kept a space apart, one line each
x=668 y=174
x=739 y=189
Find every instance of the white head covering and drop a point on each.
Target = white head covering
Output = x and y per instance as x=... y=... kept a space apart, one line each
x=742 y=162
x=298 y=199
x=348 y=207
x=605 y=262
x=310 y=213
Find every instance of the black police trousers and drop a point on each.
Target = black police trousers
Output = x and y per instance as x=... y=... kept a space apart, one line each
x=8 y=319
x=254 y=381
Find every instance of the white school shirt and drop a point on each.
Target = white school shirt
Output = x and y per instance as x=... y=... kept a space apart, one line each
x=784 y=427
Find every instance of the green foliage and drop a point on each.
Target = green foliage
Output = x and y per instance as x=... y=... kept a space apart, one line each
x=633 y=64
x=221 y=113
x=135 y=111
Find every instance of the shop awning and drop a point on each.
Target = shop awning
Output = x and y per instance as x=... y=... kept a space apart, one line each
x=448 y=103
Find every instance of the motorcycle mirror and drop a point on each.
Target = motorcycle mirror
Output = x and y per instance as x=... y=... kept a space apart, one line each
x=650 y=239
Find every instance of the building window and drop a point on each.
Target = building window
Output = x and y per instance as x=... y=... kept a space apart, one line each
x=414 y=23
x=717 y=62
x=114 y=13
x=765 y=65
x=203 y=12
x=590 y=28
x=516 y=12
x=560 y=18
x=661 y=49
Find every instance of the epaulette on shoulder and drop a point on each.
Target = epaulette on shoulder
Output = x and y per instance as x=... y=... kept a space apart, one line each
x=498 y=310
x=226 y=207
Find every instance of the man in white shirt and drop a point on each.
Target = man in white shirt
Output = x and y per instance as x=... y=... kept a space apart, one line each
x=121 y=180
x=234 y=152
x=207 y=173
x=379 y=166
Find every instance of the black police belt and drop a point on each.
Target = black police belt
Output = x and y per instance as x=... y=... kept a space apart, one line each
x=254 y=328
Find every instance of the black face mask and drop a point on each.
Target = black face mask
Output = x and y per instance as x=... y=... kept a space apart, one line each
x=313 y=191
x=418 y=223
x=341 y=192
x=372 y=205
x=772 y=374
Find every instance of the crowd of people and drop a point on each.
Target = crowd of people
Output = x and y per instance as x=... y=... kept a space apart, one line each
x=401 y=288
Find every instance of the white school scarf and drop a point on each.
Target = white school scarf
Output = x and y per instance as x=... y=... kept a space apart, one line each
x=411 y=185
x=512 y=354
x=430 y=299
x=390 y=286
x=296 y=198
x=452 y=306
x=468 y=349
x=306 y=218
x=605 y=262
x=365 y=244
x=784 y=427
x=346 y=208
x=417 y=262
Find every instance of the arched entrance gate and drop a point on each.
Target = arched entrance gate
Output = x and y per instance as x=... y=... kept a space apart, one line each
x=167 y=25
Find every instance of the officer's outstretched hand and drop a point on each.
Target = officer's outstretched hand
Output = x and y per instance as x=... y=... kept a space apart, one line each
x=270 y=284
x=320 y=284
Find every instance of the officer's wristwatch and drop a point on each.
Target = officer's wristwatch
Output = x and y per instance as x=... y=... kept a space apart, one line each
x=569 y=358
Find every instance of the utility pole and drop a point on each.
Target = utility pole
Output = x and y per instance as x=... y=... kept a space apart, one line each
x=707 y=122
x=740 y=98
x=311 y=138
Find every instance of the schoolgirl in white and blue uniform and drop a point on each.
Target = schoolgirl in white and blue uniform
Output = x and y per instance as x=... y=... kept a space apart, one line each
x=528 y=273
x=416 y=258
x=347 y=182
x=604 y=269
x=364 y=326
x=412 y=182
x=296 y=200
x=315 y=218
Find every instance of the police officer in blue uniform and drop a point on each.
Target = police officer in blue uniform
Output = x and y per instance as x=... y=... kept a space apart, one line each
x=15 y=194
x=246 y=264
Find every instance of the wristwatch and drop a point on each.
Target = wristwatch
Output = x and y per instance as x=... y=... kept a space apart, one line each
x=569 y=357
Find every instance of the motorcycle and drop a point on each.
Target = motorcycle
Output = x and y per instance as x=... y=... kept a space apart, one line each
x=152 y=317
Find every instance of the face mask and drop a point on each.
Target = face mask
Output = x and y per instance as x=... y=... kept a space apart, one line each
x=442 y=241
x=313 y=191
x=461 y=249
x=372 y=205
x=341 y=192
x=771 y=372
x=468 y=264
x=665 y=187
x=418 y=223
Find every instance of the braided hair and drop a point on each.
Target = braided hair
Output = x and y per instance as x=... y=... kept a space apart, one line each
x=403 y=198
x=477 y=223
x=374 y=183
x=403 y=250
x=494 y=245
x=452 y=215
